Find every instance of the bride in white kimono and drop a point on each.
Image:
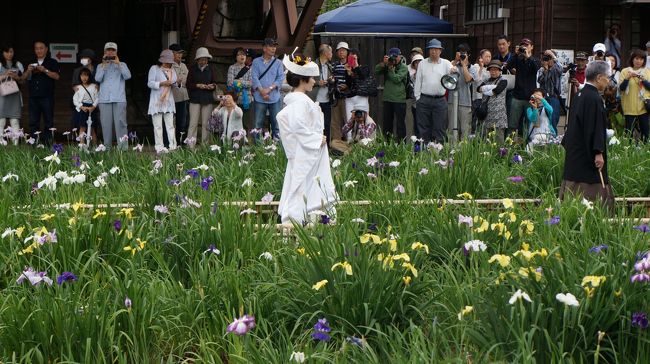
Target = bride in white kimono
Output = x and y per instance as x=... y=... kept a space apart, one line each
x=308 y=184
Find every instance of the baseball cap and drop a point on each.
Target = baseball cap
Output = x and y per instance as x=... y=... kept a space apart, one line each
x=581 y=55
x=110 y=45
x=394 y=52
x=270 y=42
x=599 y=47
x=526 y=41
x=176 y=48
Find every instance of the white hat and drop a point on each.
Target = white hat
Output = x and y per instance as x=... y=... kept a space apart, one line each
x=342 y=45
x=309 y=69
x=202 y=52
x=110 y=45
x=599 y=47
x=417 y=57
x=360 y=107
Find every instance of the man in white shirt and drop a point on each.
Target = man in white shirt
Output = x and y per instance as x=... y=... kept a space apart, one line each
x=430 y=95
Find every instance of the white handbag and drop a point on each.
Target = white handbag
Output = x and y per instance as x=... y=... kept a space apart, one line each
x=8 y=86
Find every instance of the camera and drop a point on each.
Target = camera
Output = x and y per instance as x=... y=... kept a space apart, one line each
x=572 y=68
x=463 y=56
x=392 y=59
x=546 y=58
x=109 y=58
x=521 y=49
x=600 y=54
x=358 y=113
x=34 y=64
x=221 y=97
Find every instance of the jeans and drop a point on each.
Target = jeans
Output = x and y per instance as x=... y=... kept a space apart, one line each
x=394 y=111
x=114 y=114
x=260 y=114
x=41 y=106
x=326 y=108
x=432 y=118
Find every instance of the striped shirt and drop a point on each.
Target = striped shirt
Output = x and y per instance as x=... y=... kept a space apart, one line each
x=340 y=74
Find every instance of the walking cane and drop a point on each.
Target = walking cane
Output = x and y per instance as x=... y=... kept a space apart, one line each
x=602 y=180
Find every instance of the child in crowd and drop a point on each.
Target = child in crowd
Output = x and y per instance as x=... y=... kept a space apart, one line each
x=85 y=101
x=493 y=91
x=539 y=114
x=231 y=115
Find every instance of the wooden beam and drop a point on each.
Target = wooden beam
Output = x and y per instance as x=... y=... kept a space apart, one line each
x=282 y=19
x=306 y=22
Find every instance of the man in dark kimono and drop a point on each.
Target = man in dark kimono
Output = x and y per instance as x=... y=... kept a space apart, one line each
x=585 y=142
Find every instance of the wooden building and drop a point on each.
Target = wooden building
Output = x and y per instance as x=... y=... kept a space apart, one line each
x=558 y=24
x=142 y=29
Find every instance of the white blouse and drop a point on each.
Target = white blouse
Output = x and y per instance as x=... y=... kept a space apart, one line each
x=157 y=102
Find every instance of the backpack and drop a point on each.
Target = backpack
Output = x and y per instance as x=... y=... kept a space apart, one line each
x=365 y=84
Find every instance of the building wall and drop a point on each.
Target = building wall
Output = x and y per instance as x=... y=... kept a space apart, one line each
x=559 y=24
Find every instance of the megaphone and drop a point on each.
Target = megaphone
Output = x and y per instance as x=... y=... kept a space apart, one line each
x=449 y=82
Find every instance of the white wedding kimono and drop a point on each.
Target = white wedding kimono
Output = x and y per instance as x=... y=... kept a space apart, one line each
x=308 y=184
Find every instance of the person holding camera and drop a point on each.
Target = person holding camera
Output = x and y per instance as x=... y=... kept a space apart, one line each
x=465 y=79
x=231 y=116
x=612 y=43
x=396 y=75
x=430 y=94
x=577 y=75
x=526 y=67
x=41 y=74
x=480 y=74
x=539 y=115
x=112 y=75
x=162 y=107
x=360 y=125
x=634 y=84
x=321 y=91
x=550 y=80
x=598 y=51
x=411 y=113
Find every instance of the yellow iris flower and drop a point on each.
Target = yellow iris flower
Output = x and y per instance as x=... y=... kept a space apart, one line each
x=503 y=260
x=345 y=265
x=319 y=285
x=367 y=237
x=417 y=245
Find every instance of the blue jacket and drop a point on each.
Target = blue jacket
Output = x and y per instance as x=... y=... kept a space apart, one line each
x=532 y=114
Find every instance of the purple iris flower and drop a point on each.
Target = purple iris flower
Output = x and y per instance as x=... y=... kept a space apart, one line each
x=355 y=341
x=372 y=227
x=127 y=303
x=57 y=148
x=417 y=148
x=205 y=183
x=640 y=320
x=321 y=329
x=598 y=248
x=354 y=165
x=192 y=172
x=553 y=220
x=516 y=179
x=642 y=228
x=133 y=135
x=517 y=158
x=241 y=325
x=324 y=219
x=503 y=152
x=640 y=277
x=117 y=224
x=66 y=277
x=380 y=154
x=77 y=160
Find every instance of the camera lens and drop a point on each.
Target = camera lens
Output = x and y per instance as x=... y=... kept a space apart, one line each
x=463 y=56
x=358 y=113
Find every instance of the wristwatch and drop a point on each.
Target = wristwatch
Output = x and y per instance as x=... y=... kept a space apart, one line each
x=47 y=71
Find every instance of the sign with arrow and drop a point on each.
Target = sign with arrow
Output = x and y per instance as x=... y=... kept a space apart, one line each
x=64 y=52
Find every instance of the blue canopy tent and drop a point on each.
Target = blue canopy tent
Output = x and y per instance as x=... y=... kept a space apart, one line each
x=379 y=18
